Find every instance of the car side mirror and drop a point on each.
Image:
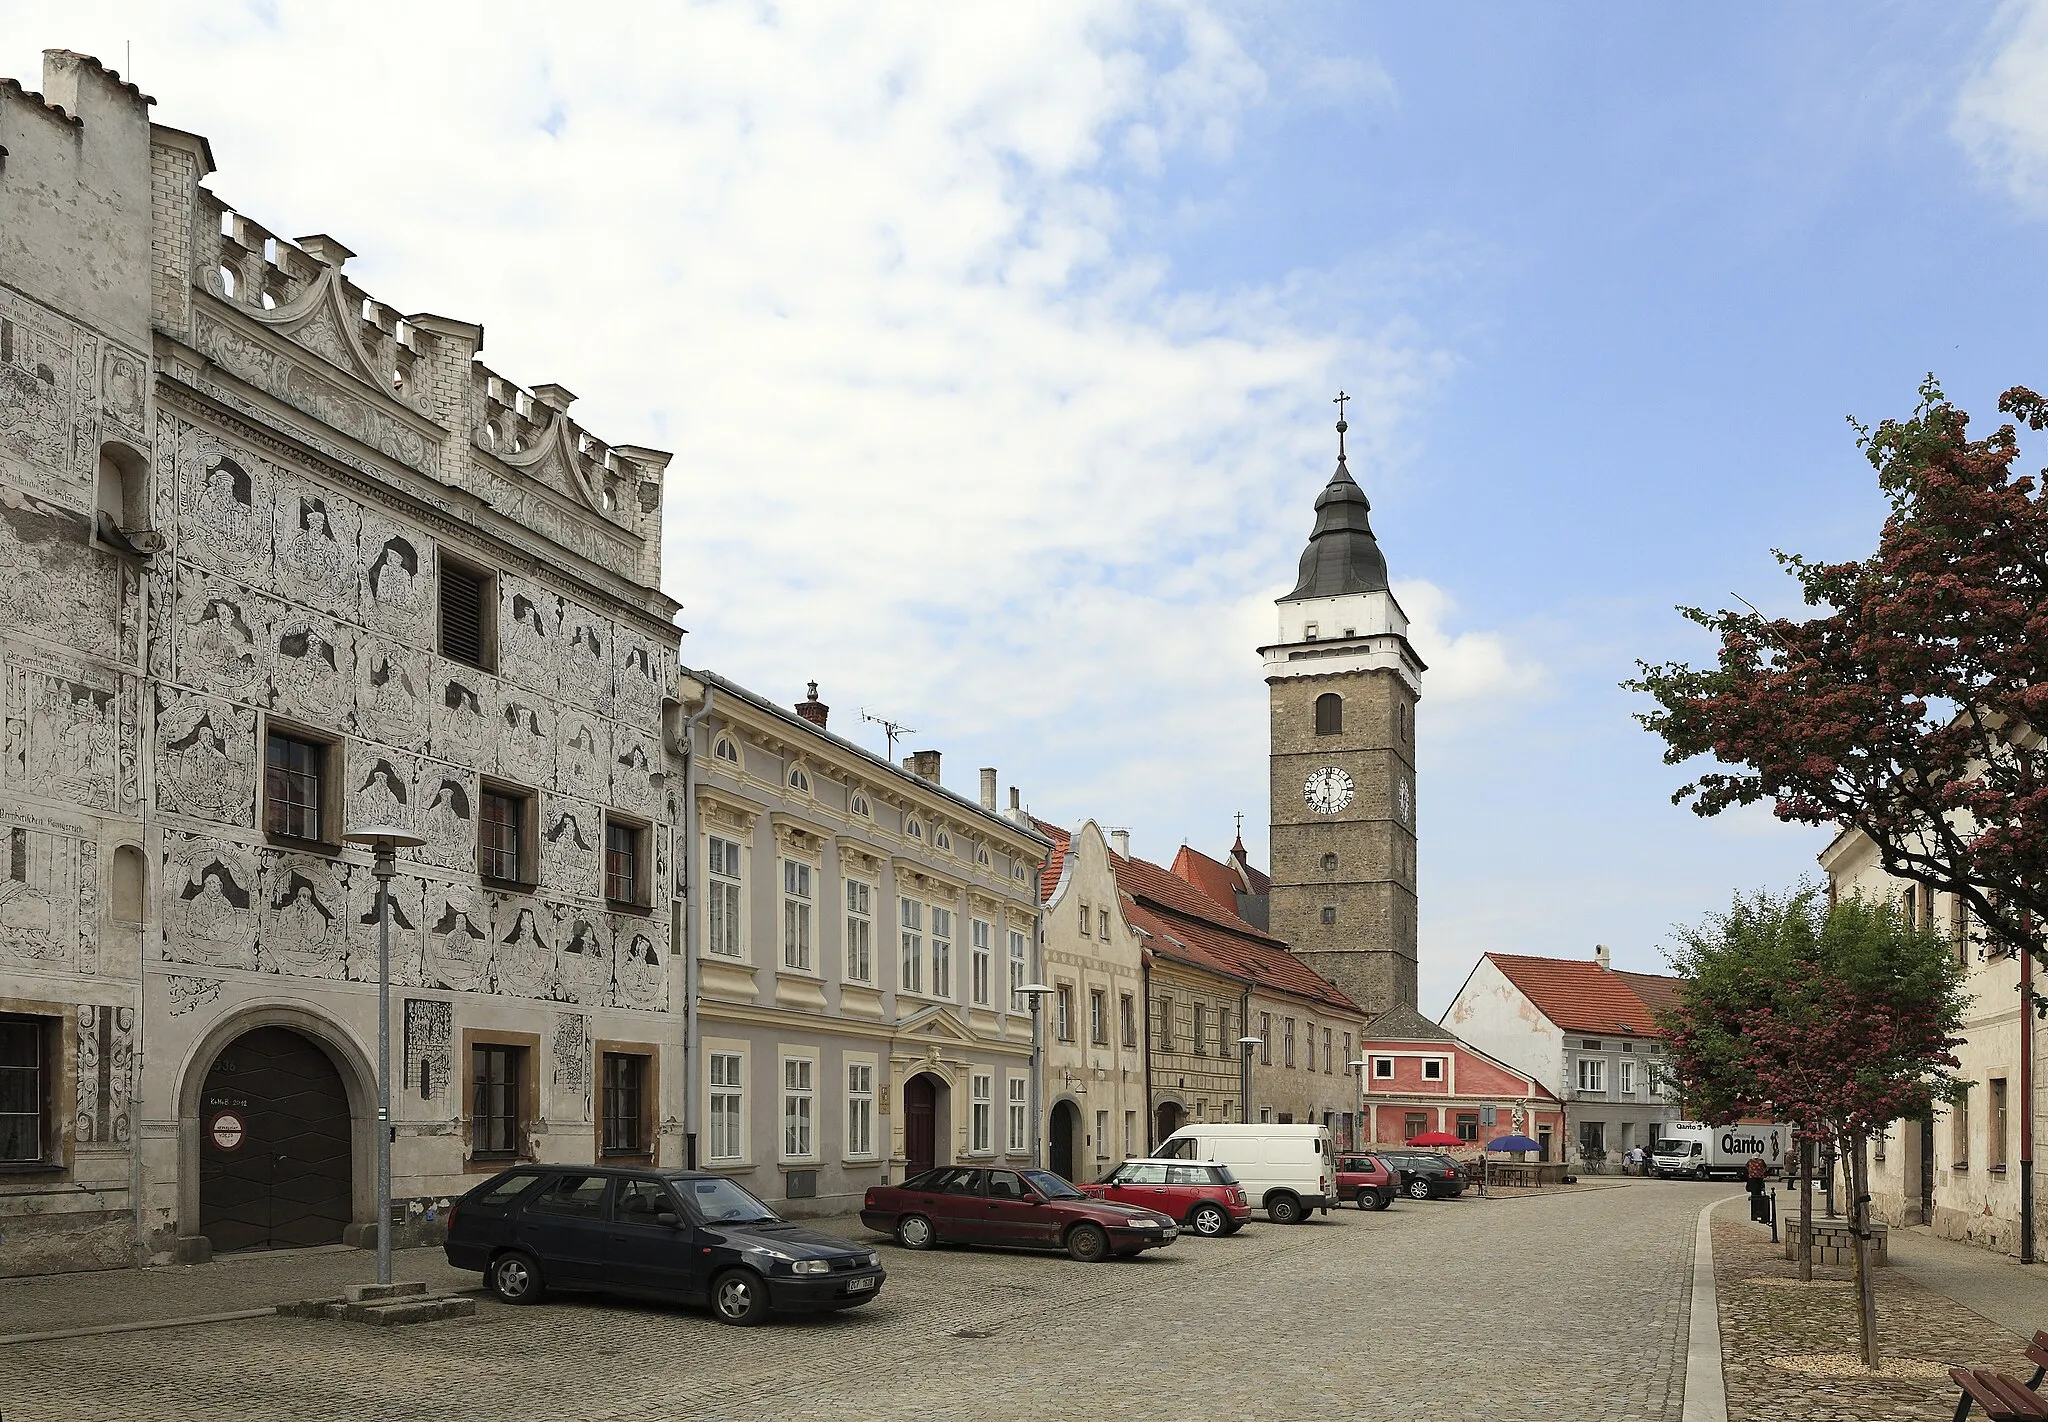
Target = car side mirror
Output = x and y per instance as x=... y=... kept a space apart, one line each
x=1034 y=1199
x=669 y=1218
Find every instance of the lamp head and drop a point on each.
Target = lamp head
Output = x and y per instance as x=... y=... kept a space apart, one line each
x=376 y=836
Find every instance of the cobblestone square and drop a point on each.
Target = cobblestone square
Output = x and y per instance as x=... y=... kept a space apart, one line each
x=1533 y=1308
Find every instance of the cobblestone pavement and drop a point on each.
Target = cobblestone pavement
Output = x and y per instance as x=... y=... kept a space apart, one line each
x=1766 y=1313
x=1522 y=1310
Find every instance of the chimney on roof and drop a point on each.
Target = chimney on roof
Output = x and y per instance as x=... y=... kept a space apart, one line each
x=1603 y=957
x=1120 y=841
x=923 y=764
x=988 y=788
x=812 y=709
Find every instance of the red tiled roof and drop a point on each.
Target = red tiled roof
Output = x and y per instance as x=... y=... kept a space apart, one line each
x=1197 y=928
x=1055 y=862
x=1580 y=995
x=1212 y=878
x=1659 y=993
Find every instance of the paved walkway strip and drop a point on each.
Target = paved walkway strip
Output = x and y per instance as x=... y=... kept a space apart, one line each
x=1706 y=1395
x=140 y=1327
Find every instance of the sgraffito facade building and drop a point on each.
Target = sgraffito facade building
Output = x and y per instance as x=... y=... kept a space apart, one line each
x=277 y=562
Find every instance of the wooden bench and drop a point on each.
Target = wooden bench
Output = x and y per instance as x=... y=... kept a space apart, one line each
x=2003 y=1398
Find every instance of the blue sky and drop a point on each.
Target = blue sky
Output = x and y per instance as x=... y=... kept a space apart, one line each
x=996 y=349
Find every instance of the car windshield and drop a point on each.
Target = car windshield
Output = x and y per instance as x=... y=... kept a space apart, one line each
x=1051 y=1186
x=1669 y=1148
x=720 y=1201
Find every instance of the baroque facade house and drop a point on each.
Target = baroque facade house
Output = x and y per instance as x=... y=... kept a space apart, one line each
x=1957 y=1169
x=858 y=940
x=1095 y=1022
x=1419 y=1078
x=276 y=562
x=1585 y=1030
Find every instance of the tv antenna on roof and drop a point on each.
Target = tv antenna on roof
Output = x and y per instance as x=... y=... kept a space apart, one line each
x=890 y=729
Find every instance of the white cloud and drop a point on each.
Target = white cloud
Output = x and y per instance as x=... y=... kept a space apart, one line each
x=2002 y=112
x=946 y=440
x=1466 y=669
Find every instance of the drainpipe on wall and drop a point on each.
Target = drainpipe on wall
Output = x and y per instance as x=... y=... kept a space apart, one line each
x=683 y=742
x=2027 y=1108
x=1145 y=1038
x=1244 y=1053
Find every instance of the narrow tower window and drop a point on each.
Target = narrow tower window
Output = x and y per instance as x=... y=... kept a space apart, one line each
x=1329 y=714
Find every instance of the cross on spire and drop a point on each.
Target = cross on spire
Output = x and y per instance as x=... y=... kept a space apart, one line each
x=1240 y=824
x=1341 y=425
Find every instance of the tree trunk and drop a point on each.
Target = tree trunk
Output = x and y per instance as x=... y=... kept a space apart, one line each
x=1805 y=1208
x=1859 y=1222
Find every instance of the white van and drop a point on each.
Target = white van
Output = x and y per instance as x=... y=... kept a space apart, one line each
x=1285 y=1170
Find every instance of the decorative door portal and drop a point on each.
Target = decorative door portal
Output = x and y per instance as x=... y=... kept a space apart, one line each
x=274 y=1146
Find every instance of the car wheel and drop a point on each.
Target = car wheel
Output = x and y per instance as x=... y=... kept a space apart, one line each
x=916 y=1232
x=1418 y=1189
x=739 y=1298
x=1381 y=1199
x=1365 y=1198
x=1284 y=1209
x=515 y=1278
x=1087 y=1243
x=1209 y=1221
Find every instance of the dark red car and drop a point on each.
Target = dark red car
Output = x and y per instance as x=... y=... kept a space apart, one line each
x=1366 y=1181
x=1020 y=1209
x=1201 y=1194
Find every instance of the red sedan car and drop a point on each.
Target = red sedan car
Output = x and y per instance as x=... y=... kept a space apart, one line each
x=1022 y=1209
x=1201 y=1194
x=1366 y=1181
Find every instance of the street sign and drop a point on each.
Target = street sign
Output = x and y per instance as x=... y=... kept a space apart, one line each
x=227 y=1130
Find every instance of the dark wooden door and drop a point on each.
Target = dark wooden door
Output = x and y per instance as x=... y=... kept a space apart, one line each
x=274 y=1145
x=1063 y=1162
x=1927 y=1170
x=1165 y=1122
x=920 y=1136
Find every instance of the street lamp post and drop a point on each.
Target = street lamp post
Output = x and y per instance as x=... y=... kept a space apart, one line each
x=385 y=840
x=1358 y=1118
x=1245 y=1044
x=1035 y=994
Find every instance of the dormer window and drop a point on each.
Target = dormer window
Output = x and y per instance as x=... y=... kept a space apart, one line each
x=1308 y=631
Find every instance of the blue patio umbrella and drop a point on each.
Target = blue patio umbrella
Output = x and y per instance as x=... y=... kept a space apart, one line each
x=1513 y=1143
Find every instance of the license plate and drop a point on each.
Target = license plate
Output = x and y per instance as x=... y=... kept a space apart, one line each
x=855 y=1286
x=1169 y=1232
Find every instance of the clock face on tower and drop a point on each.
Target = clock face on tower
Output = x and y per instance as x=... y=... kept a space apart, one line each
x=1328 y=790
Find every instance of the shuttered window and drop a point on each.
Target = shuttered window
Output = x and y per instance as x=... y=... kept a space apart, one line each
x=462 y=614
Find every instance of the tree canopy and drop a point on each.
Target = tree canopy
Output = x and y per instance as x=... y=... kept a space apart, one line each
x=1906 y=709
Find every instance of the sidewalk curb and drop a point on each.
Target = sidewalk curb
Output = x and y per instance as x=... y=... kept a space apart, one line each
x=141 y=1327
x=1706 y=1395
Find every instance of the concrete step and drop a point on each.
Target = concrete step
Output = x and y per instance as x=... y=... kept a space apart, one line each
x=408 y=1303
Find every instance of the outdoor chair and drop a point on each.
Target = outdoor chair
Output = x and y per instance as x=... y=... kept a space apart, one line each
x=2003 y=1398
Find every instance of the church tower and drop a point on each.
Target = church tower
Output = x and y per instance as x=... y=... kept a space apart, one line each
x=1343 y=683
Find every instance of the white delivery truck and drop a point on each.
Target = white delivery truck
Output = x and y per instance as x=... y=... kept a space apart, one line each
x=1286 y=1170
x=1698 y=1151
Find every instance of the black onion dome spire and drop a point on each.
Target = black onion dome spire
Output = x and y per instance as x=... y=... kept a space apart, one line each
x=1342 y=555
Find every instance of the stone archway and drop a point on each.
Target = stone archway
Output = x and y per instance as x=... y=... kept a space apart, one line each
x=1066 y=1140
x=1170 y=1117
x=302 y=1170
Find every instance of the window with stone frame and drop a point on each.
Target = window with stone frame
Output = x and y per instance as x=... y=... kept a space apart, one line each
x=798 y=1100
x=504 y=833
x=860 y=1108
x=627 y=882
x=469 y=601
x=28 y=1125
x=980 y=966
x=298 y=781
x=726 y=1073
x=796 y=916
x=627 y=1127
x=910 y=919
x=860 y=931
x=723 y=900
x=1265 y=1039
x=497 y=1105
x=1098 y=1017
x=1127 y=1017
x=1200 y=1033
x=981 y=1113
x=1287 y=1041
x=1018 y=947
x=942 y=952
x=1063 y=1012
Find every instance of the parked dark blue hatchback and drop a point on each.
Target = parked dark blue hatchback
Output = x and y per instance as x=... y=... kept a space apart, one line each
x=672 y=1234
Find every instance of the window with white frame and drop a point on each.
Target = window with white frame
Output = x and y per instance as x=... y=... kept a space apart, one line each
x=1653 y=1081
x=1127 y=1009
x=860 y=931
x=981 y=932
x=1201 y=1029
x=912 y=828
x=799 y=780
x=797 y=1100
x=1020 y=1129
x=1098 y=1017
x=1102 y=1135
x=796 y=915
x=722 y=900
x=857 y=806
x=1063 y=1012
x=860 y=1108
x=981 y=1118
x=1130 y=1134
x=1085 y=920
x=910 y=914
x=1287 y=1041
x=1625 y=1078
x=1433 y=1070
x=726 y=749
x=728 y=1135
x=1017 y=954
x=1329 y=1062
x=1102 y=924
x=1382 y=1068
x=941 y=839
x=942 y=952
x=1265 y=1039
x=1592 y=1074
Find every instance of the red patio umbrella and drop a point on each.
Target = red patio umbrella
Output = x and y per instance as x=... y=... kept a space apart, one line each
x=1436 y=1138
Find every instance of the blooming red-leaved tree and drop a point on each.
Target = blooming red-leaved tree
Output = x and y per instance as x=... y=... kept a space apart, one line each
x=1906 y=710
x=1839 y=1019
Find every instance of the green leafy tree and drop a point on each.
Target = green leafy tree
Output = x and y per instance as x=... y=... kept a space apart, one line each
x=1838 y=1018
x=1906 y=709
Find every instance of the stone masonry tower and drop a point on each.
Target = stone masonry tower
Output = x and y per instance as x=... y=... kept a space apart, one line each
x=1343 y=686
